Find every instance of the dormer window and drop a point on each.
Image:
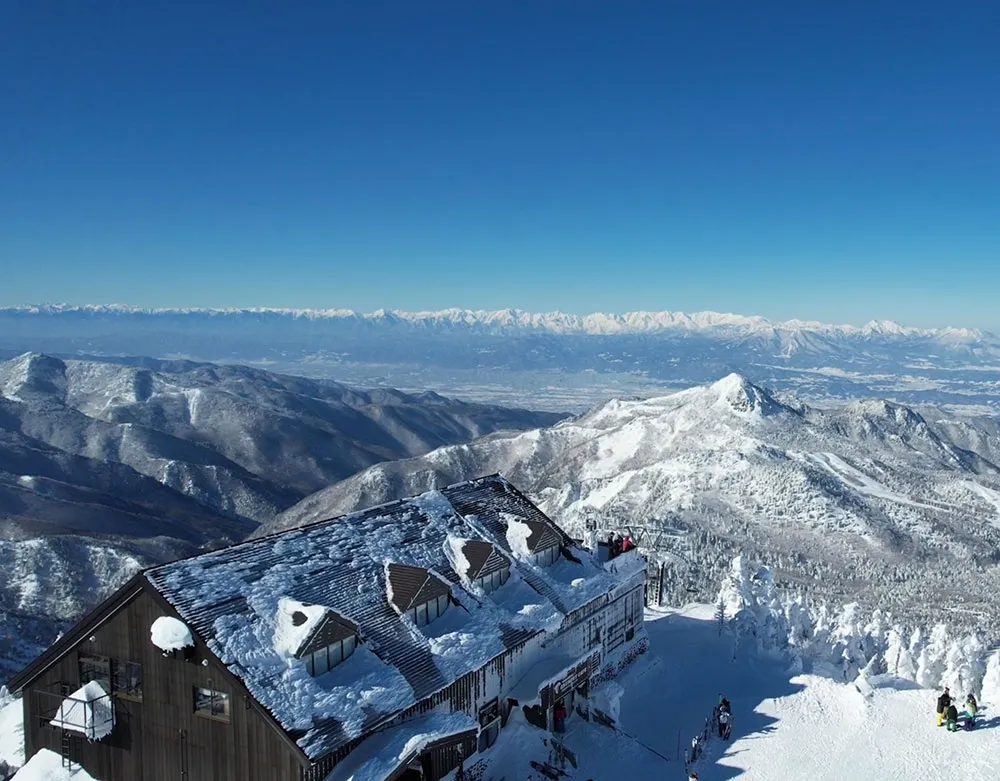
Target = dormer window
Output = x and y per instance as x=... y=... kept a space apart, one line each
x=326 y=658
x=546 y=556
x=480 y=563
x=493 y=581
x=416 y=592
x=319 y=637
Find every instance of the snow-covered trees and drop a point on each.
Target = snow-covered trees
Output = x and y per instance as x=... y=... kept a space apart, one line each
x=752 y=605
x=991 y=681
x=964 y=666
x=849 y=644
x=898 y=659
x=932 y=659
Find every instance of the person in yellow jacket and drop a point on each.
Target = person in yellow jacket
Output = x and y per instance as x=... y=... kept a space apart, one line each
x=942 y=705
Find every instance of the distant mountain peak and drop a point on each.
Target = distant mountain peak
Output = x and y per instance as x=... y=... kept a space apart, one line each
x=743 y=396
x=521 y=321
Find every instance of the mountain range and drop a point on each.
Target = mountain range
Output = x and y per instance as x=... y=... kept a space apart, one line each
x=550 y=360
x=107 y=466
x=904 y=501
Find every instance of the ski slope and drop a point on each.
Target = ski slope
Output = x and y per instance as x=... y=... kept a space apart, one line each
x=787 y=726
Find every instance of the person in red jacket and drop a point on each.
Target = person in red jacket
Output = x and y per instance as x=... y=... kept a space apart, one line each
x=627 y=543
x=560 y=716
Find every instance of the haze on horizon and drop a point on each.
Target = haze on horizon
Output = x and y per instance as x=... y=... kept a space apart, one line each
x=834 y=164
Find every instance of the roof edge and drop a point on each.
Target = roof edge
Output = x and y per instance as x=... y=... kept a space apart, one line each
x=105 y=610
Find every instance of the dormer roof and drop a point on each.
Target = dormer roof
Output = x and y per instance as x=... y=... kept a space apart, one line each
x=409 y=586
x=480 y=558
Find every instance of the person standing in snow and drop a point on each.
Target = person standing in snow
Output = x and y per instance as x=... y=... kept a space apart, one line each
x=971 y=706
x=725 y=724
x=627 y=543
x=951 y=718
x=942 y=705
x=560 y=717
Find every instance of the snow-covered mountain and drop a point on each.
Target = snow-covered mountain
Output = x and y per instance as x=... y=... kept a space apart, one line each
x=499 y=321
x=867 y=492
x=105 y=467
x=556 y=360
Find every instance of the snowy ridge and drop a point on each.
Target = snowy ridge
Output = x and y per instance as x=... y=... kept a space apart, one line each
x=871 y=489
x=640 y=322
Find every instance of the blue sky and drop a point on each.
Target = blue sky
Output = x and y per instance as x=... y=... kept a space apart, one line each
x=836 y=161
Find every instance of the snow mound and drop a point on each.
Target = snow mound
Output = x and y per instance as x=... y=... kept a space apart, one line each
x=518 y=533
x=47 y=766
x=295 y=622
x=170 y=634
x=11 y=729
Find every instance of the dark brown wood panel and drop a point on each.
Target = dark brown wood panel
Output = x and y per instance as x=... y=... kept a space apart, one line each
x=159 y=738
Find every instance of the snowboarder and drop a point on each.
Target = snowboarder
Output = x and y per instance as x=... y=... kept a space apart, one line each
x=725 y=724
x=951 y=718
x=942 y=705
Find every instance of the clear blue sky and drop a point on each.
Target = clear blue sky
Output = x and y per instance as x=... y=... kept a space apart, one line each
x=830 y=160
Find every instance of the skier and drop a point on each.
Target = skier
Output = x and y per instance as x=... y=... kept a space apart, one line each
x=725 y=724
x=942 y=705
x=951 y=718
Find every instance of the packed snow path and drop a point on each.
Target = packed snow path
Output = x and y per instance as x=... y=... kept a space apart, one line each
x=788 y=726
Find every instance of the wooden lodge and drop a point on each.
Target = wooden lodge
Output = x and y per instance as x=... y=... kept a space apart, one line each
x=316 y=653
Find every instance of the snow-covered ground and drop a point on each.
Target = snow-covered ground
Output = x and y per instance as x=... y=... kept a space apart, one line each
x=787 y=726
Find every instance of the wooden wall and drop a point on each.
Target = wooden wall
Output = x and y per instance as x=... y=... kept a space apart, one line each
x=161 y=738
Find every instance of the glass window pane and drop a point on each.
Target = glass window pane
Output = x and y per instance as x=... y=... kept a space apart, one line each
x=349 y=645
x=432 y=610
x=443 y=603
x=504 y=575
x=422 y=614
x=320 y=662
x=336 y=652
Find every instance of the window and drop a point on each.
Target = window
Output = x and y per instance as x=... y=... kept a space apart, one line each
x=546 y=556
x=426 y=612
x=122 y=679
x=489 y=724
x=490 y=583
x=95 y=668
x=633 y=613
x=126 y=679
x=325 y=659
x=211 y=704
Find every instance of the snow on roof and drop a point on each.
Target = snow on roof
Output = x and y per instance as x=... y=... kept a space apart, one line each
x=454 y=551
x=526 y=690
x=169 y=634
x=377 y=757
x=238 y=598
x=47 y=765
x=517 y=536
x=295 y=623
x=88 y=711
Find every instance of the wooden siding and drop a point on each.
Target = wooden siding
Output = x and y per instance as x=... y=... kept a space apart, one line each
x=159 y=738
